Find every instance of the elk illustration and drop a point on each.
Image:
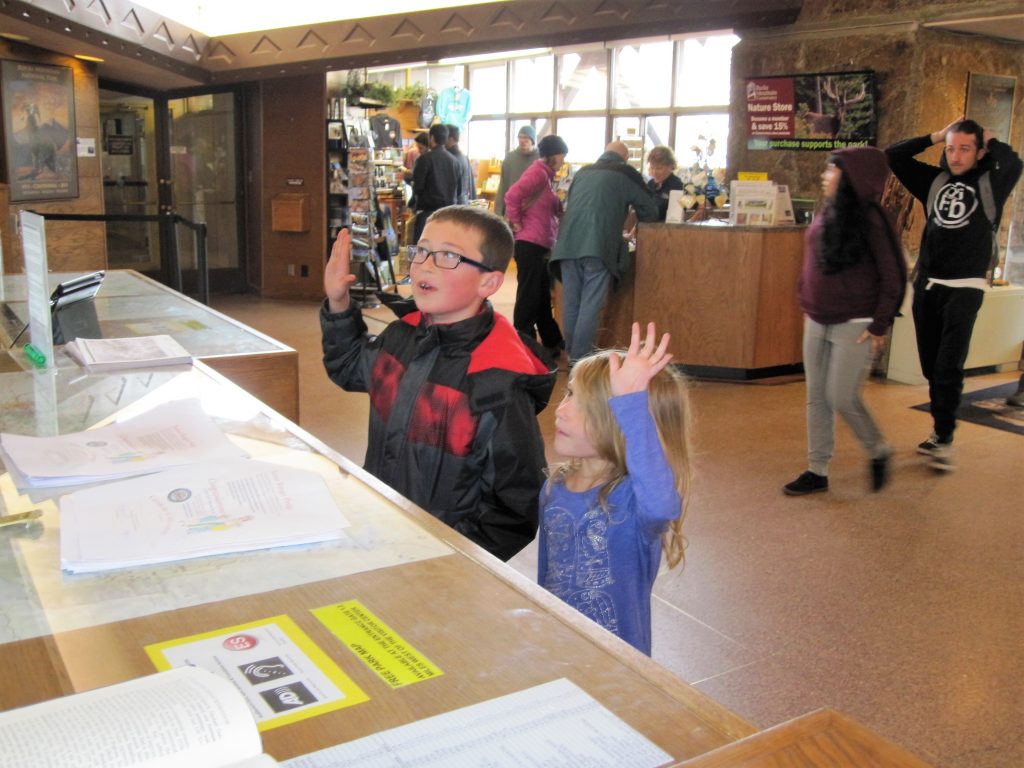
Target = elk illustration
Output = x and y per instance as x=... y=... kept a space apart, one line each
x=840 y=98
x=45 y=140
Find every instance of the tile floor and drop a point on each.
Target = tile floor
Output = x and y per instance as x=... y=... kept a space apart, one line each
x=904 y=609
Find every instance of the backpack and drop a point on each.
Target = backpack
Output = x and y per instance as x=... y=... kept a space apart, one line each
x=988 y=205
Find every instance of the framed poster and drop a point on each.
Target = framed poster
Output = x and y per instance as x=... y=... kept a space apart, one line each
x=39 y=130
x=818 y=111
x=990 y=102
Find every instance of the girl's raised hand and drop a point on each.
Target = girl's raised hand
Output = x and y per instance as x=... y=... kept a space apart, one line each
x=641 y=363
x=337 y=276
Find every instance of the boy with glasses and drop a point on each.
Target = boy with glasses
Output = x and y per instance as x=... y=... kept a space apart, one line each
x=454 y=388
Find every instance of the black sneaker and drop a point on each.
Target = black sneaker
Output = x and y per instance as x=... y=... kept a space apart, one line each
x=808 y=482
x=928 y=447
x=1016 y=399
x=879 y=473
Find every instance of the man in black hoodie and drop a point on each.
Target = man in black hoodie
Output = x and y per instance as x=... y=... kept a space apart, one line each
x=963 y=211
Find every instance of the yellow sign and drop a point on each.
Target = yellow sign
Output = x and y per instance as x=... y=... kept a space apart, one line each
x=381 y=649
x=282 y=673
x=752 y=176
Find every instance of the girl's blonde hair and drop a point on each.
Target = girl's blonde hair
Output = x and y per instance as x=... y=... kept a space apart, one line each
x=668 y=400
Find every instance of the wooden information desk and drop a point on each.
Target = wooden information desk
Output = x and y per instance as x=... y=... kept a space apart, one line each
x=488 y=629
x=726 y=294
x=131 y=304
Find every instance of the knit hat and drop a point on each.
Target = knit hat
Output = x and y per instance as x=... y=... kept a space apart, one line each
x=528 y=130
x=552 y=145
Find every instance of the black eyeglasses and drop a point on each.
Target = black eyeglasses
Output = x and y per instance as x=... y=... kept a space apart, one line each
x=446 y=259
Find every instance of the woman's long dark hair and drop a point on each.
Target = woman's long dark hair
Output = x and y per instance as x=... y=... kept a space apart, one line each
x=843 y=242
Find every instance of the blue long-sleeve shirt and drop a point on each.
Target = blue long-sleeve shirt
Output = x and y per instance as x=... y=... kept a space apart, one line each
x=603 y=563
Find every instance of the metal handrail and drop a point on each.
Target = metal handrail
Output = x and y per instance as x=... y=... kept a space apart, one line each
x=198 y=233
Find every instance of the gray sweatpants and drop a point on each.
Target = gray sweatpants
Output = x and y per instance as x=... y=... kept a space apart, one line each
x=835 y=367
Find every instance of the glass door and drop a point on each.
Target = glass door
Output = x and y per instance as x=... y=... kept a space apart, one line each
x=128 y=126
x=174 y=156
x=205 y=148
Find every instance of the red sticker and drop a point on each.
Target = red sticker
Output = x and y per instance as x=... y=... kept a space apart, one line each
x=240 y=642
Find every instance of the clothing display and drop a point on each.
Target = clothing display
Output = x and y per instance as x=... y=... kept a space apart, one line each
x=481 y=472
x=453 y=106
x=603 y=559
x=387 y=132
x=428 y=108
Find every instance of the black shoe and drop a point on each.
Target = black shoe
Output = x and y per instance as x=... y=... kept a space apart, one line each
x=808 y=482
x=879 y=472
x=1016 y=399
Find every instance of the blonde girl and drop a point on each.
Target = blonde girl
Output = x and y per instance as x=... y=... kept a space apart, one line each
x=616 y=503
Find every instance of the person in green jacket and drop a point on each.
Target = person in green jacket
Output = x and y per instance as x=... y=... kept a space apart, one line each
x=591 y=254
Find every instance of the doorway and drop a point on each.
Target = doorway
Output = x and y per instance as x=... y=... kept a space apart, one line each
x=170 y=154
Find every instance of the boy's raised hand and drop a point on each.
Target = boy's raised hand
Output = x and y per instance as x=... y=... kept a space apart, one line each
x=641 y=363
x=337 y=276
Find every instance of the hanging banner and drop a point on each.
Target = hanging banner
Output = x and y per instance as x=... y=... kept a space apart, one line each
x=823 y=111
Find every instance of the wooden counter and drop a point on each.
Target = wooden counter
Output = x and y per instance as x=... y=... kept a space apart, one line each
x=726 y=294
x=488 y=629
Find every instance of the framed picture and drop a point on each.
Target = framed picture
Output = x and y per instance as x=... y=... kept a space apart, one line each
x=990 y=102
x=39 y=129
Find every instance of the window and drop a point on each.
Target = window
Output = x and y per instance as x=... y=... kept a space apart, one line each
x=584 y=136
x=533 y=81
x=691 y=128
x=483 y=139
x=643 y=75
x=487 y=84
x=583 y=80
x=705 y=65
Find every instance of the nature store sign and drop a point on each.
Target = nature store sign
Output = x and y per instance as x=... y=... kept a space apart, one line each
x=823 y=111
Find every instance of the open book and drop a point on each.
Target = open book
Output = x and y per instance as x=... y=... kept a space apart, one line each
x=132 y=352
x=183 y=717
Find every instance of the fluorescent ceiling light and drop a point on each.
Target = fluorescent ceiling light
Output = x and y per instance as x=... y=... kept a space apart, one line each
x=217 y=18
x=396 y=67
x=521 y=54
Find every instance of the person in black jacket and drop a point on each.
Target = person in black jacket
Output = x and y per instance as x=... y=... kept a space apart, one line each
x=467 y=180
x=454 y=389
x=661 y=166
x=435 y=179
x=956 y=253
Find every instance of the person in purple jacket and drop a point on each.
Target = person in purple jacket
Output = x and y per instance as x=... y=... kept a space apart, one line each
x=533 y=211
x=850 y=289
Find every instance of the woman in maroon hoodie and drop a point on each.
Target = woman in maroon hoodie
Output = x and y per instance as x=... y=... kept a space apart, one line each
x=851 y=287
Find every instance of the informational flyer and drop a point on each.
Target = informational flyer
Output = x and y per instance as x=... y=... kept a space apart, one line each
x=378 y=646
x=282 y=673
x=557 y=723
x=821 y=111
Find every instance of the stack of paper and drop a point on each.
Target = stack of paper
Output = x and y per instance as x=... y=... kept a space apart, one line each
x=209 y=509
x=170 y=435
x=759 y=203
x=133 y=352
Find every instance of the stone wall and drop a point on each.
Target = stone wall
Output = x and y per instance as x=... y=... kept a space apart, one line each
x=921 y=76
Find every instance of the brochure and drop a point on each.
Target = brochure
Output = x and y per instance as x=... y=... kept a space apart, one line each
x=206 y=509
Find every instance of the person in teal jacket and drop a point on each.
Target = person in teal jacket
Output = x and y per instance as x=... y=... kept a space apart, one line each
x=591 y=254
